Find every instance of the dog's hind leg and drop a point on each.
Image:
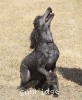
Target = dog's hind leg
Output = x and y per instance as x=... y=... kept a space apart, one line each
x=40 y=84
x=25 y=76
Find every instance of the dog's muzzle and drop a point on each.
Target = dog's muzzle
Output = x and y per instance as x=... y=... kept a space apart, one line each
x=48 y=14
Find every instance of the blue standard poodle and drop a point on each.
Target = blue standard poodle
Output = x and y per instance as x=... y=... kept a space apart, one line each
x=40 y=65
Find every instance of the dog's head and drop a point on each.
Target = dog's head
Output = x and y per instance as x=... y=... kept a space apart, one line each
x=44 y=21
x=41 y=32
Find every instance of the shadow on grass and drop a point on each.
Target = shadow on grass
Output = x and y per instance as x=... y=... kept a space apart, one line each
x=72 y=74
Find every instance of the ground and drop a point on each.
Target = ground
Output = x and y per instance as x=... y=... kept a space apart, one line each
x=16 y=24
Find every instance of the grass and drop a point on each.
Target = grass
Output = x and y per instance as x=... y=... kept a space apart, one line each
x=16 y=18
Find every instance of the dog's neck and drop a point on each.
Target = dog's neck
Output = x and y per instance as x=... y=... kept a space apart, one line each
x=46 y=33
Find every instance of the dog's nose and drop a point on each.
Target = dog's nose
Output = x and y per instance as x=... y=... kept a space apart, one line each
x=49 y=8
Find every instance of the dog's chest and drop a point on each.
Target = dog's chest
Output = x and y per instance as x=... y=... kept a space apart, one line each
x=49 y=52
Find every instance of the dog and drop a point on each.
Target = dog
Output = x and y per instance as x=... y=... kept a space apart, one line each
x=36 y=65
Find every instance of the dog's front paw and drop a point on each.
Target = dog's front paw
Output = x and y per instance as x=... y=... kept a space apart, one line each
x=56 y=93
x=54 y=90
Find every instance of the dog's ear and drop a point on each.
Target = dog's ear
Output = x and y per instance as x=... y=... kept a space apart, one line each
x=34 y=39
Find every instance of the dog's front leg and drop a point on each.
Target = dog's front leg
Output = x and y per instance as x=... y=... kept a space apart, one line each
x=44 y=72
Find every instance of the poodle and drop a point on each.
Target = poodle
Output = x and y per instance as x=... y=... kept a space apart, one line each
x=39 y=64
